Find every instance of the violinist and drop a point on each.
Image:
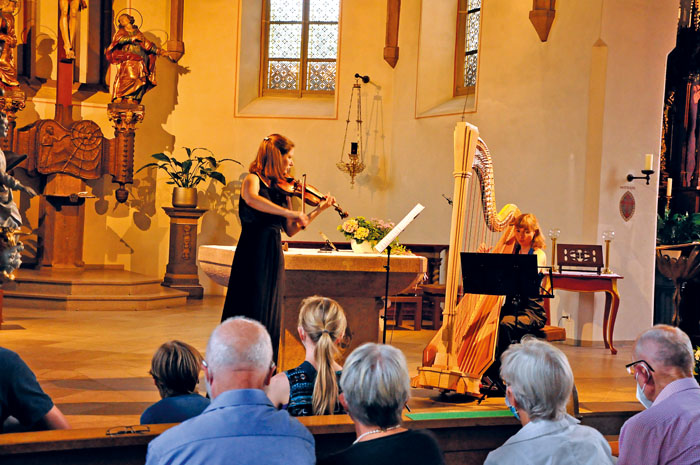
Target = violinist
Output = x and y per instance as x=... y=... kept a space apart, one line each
x=256 y=285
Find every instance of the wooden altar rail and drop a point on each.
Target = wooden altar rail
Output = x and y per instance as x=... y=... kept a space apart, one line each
x=430 y=251
x=464 y=441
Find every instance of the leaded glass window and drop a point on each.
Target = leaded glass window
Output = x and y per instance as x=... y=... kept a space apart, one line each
x=467 y=47
x=300 y=46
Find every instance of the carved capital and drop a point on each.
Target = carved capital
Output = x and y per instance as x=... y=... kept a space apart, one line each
x=125 y=116
x=12 y=102
x=542 y=17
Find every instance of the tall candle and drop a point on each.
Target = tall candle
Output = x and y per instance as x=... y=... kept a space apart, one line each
x=648 y=161
x=669 y=187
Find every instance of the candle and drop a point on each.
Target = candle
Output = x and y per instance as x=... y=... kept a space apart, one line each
x=669 y=187
x=648 y=161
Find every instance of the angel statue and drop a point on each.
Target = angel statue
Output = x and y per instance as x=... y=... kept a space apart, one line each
x=10 y=218
x=135 y=58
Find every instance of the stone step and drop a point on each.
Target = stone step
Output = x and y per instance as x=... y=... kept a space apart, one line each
x=89 y=289
x=163 y=299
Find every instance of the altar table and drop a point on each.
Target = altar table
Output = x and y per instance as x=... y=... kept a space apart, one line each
x=592 y=282
x=354 y=280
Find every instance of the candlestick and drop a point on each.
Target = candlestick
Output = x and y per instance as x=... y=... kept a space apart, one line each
x=608 y=236
x=669 y=187
x=554 y=235
x=648 y=161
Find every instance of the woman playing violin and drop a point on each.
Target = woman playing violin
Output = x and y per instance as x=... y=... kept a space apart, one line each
x=256 y=285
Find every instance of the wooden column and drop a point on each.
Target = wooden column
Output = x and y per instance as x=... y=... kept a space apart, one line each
x=181 y=272
x=391 y=43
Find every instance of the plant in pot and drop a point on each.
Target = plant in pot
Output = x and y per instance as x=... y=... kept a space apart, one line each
x=187 y=174
x=678 y=253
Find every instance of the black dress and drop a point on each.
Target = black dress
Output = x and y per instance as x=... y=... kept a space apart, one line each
x=256 y=285
x=412 y=447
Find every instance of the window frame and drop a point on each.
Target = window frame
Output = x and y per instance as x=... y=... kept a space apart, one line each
x=303 y=60
x=459 y=89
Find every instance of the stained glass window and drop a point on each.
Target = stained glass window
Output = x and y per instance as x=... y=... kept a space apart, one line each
x=301 y=46
x=467 y=49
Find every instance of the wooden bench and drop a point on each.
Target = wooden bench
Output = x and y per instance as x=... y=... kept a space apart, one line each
x=464 y=440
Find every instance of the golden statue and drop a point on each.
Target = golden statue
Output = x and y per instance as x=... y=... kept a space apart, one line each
x=135 y=58
x=68 y=10
x=8 y=38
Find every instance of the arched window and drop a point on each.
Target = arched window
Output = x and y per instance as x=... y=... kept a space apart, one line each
x=467 y=46
x=300 y=47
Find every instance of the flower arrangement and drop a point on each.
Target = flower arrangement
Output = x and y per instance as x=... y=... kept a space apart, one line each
x=360 y=229
x=697 y=363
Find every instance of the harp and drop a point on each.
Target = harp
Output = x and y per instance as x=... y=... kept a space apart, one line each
x=464 y=347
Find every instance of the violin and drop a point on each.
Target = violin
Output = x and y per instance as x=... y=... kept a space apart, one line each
x=312 y=196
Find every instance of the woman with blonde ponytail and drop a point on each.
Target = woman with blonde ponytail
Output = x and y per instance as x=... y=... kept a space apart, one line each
x=256 y=283
x=312 y=387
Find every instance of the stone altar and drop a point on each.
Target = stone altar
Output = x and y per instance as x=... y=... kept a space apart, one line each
x=354 y=280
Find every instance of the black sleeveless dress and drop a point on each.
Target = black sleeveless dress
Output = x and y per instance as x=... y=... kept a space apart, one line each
x=256 y=285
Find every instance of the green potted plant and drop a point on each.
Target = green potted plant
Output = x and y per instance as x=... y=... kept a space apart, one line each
x=676 y=228
x=677 y=260
x=187 y=174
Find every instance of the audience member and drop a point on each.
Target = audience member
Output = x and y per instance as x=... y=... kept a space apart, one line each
x=240 y=425
x=668 y=431
x=175 y=369
x=312 y=387
x=375 y=388
x=538 y=382
x=23 y=404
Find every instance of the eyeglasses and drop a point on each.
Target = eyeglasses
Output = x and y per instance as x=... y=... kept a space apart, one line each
x=273 y=366
x=630 y=366
x=133 y=429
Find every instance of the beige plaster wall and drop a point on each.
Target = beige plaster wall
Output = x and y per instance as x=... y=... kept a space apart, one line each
x=566 y=120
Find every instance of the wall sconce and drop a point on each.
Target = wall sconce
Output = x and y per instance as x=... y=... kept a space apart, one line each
x=647 y=171
x=355 y=164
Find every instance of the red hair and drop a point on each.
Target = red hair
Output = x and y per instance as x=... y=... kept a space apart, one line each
x=268 y=162
x=529 y=222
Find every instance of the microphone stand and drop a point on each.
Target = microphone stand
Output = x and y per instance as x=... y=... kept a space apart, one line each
x=386 y=293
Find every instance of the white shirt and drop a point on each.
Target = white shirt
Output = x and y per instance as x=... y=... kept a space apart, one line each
x=560 y=442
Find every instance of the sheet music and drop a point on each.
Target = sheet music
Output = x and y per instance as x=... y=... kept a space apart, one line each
x=384 y=243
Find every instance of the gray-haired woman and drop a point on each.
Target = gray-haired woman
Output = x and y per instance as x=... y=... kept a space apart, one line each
x=539 y=382
x=376 y=387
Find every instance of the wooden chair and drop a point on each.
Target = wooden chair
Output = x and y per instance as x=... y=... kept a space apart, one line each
x=414 y=300
x=551 y=333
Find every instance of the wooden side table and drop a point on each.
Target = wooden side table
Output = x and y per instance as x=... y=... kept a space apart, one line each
x=181 y=272
x=593 y=282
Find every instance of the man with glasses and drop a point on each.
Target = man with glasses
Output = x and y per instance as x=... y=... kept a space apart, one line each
x=668 y=431
x=240 y=425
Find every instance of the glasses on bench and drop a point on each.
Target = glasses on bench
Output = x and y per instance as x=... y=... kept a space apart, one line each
x=133 y=429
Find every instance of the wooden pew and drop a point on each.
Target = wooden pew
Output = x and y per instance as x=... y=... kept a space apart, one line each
x=464 y=441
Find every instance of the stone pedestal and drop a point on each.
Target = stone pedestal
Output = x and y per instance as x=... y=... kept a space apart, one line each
x=181 y=272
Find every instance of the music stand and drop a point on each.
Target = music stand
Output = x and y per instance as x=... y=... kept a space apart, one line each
x=500 y=274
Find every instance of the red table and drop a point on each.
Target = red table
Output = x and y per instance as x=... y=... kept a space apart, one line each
x=578 y=281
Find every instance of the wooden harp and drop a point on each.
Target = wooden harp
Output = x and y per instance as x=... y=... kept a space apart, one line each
x=464 y=347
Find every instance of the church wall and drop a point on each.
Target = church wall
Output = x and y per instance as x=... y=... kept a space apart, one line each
x=565 y=120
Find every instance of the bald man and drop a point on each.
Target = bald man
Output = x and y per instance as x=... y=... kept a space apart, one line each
x=668 y=431
x=240 y=425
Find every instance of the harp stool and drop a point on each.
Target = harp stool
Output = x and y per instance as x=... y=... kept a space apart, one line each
x=415 y=301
